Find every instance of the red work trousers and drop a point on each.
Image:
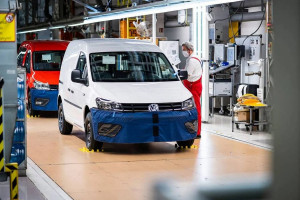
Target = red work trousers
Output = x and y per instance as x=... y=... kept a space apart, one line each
x=196 y=89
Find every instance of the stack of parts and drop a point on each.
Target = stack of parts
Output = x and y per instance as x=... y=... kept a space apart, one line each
x=242 y=113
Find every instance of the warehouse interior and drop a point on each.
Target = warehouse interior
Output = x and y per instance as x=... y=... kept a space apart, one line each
x=248 y=147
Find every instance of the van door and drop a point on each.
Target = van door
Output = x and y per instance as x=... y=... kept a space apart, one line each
x=77 y=91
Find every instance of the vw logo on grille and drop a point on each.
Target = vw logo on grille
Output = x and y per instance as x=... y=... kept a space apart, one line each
x=153 y=107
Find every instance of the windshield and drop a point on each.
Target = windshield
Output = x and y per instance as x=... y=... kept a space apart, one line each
x=131 y=67
x=47 y=60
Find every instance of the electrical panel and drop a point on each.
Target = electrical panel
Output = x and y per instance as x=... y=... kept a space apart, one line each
x=212 y=33
x=253 y=52
x=220 y=88
x=252 y=47
x=219 y=53
x=231 y=55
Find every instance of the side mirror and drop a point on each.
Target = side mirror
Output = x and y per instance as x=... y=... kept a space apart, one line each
x=76 y=77
x=183 y=75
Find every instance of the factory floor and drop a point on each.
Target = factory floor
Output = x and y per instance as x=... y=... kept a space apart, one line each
x=128 y=171
x=221 y=125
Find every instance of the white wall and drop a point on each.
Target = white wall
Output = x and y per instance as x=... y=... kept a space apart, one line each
x=248 y=27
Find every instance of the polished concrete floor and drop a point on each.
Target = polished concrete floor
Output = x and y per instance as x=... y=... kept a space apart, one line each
x=221 y=125
x=128 y=171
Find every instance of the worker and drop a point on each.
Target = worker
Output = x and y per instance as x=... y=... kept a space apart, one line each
x=193 y=82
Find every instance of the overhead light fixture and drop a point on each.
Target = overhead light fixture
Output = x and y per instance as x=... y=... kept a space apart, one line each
x=32 y=31
x=166 y=7
x=57 y=27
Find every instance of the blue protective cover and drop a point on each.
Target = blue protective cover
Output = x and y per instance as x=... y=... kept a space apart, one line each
x=138 y=127
x=46 y=94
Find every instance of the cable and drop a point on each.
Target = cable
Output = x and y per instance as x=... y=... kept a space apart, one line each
x=230 y=14
x=259 y=24
x=234 y=34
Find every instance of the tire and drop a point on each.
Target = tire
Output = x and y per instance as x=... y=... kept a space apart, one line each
x=64 y=127
x=186 y=143
x=91 y=143
x=30 y=110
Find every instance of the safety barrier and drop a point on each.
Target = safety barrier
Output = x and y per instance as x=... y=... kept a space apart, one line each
x=12 y=169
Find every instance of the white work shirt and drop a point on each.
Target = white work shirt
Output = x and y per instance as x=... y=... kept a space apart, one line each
x=193 y=68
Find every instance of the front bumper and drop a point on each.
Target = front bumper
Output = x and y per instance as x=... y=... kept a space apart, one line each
x=44 y=100
x=144 y=127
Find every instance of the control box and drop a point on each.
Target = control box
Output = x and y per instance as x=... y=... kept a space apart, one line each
x=220 y=87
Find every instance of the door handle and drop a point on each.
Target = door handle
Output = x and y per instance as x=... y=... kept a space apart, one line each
x=70 y=90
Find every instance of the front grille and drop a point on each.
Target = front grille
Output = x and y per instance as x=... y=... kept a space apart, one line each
x=53 y=87
x=144 y=107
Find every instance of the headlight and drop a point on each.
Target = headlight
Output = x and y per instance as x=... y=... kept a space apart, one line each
x=41 y=86
x=104 y=104
x=188 y=104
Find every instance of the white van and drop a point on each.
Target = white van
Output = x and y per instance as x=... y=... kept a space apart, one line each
x=123 y=91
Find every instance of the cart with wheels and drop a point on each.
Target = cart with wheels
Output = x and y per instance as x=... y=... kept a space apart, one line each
x=249 y=124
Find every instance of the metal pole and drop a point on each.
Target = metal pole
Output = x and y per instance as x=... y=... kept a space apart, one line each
x=154 y=28
x=205 y=56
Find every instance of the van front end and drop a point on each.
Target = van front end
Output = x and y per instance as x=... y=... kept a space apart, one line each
x=44 y=100
x=144 y=127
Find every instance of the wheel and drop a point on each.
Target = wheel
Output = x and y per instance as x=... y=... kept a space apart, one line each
x=247 y=128
x=90 y=142
x=237 y=126
x=187 y=143
x=30 y=110
x=65 y=128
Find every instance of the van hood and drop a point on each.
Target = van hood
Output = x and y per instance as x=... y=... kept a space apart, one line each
x=142 y=92
x=51 y=77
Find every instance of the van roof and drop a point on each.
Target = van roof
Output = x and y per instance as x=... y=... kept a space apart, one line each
x=45 y=45
x=113 y=45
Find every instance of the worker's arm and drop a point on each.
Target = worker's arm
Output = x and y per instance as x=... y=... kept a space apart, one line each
x=193 y=63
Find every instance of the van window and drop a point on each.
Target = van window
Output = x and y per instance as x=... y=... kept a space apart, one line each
x=27 y=62
x=81 y=65
x=131 y=67
x=21 y=55
x=47 y=60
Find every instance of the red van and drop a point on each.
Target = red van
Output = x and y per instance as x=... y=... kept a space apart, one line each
x=42 y=60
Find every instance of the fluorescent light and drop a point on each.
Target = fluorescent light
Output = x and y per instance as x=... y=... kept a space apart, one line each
x=31 y=31
x=56 y=27
x=166 y=6
x=78 y=24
